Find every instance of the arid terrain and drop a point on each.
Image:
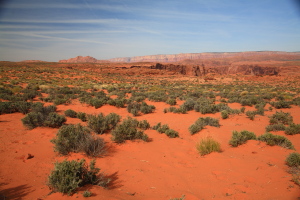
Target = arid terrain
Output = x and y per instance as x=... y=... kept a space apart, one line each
x=250 y=89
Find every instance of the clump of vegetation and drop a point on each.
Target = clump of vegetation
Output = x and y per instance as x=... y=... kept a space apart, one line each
x=87 y=194
x=208 y=145
x=166 y=130
x=293 y=159
x=239 y=138
x=281 y=117
x=100 y=123
x=128 y=130
x=135 y=108
x=71 y=113
x=224 y=114
x=68 y=176
x=82 y=116
x=202 y=122
x=275 y=127
x=279 y=140
x=292 y=129
x=43 y=116
x=76 y=138
x=251 y=114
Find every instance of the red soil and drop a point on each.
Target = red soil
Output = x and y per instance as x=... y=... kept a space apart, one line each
x=163 y=168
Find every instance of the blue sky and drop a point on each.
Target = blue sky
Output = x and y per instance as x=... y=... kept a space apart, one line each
x=51 y=30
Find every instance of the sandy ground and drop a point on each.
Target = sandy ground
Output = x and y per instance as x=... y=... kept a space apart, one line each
x=163 y=168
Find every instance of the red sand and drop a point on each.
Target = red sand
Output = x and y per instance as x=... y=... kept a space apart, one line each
x=163 y=168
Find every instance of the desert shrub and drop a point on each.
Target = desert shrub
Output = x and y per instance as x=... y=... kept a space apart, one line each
x=68 y=138
x=208 y=145
x=127 y=130
x=171 y=133
x=147 y=108
x=71 y=113
x=243 y=109
x=97 y=103
x=59 y=101
x=279 y=140
x=293 y=159
x=281 y=104
x=120 y=103
x=100 y=124
x=239 y=138
x=134 y=108
x=202 y=122
x=224 y=114
x=188 y=104
x=76 y=138
x=281 y=117
x=166 y=130
x=251 y=114
x=112 y=120
x=54 y=120
x=292 y=129
x=181 y=198
x=33 y=120
x=23 y=107
x=7 y=107
x=93 y=146
x=87 y=193
x=171 y=102
x=144 y=124
x=82 y=116
x=68 y=176
x=275 y=127
x=163 y=128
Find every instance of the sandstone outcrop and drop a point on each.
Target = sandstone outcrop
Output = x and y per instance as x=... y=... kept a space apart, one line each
x=202 y=70
x=82 y=59
x=203 y=56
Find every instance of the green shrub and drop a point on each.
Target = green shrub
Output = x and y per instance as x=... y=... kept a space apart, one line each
x=23 y=107
x=281 y=117
x=68 y=176
x=33 y=120
x=208 y=145
x=144 y=124
x=76 y=138
x=292 y=129
x=171 y=102
x=279 y=140
x=87 y=193
x=82 y=116
x=251 y=114
x=275 y=127
x=202 y=122
x=239 y=138
x=224 y=114
x=68 y=138
x=163 y=128
x=100 y=124
x=71 y=113
x=127 y=130
x=7 y=107
x=171 y=133
x=54 y=120
x=293 y=160
x=281 y=104
x=243 y=109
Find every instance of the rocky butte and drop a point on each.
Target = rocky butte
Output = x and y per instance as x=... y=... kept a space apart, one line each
x=202 y=64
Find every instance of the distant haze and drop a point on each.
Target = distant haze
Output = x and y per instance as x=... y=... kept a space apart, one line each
x=55 y=30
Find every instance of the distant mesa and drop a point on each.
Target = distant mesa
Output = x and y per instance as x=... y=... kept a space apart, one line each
x=33 y=61
x=81 y=59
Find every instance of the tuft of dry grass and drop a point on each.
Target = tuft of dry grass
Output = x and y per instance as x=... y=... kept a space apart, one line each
x=208 y=145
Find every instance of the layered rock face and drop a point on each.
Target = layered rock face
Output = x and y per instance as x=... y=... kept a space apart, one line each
x=198 y=56
x=202 y=70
